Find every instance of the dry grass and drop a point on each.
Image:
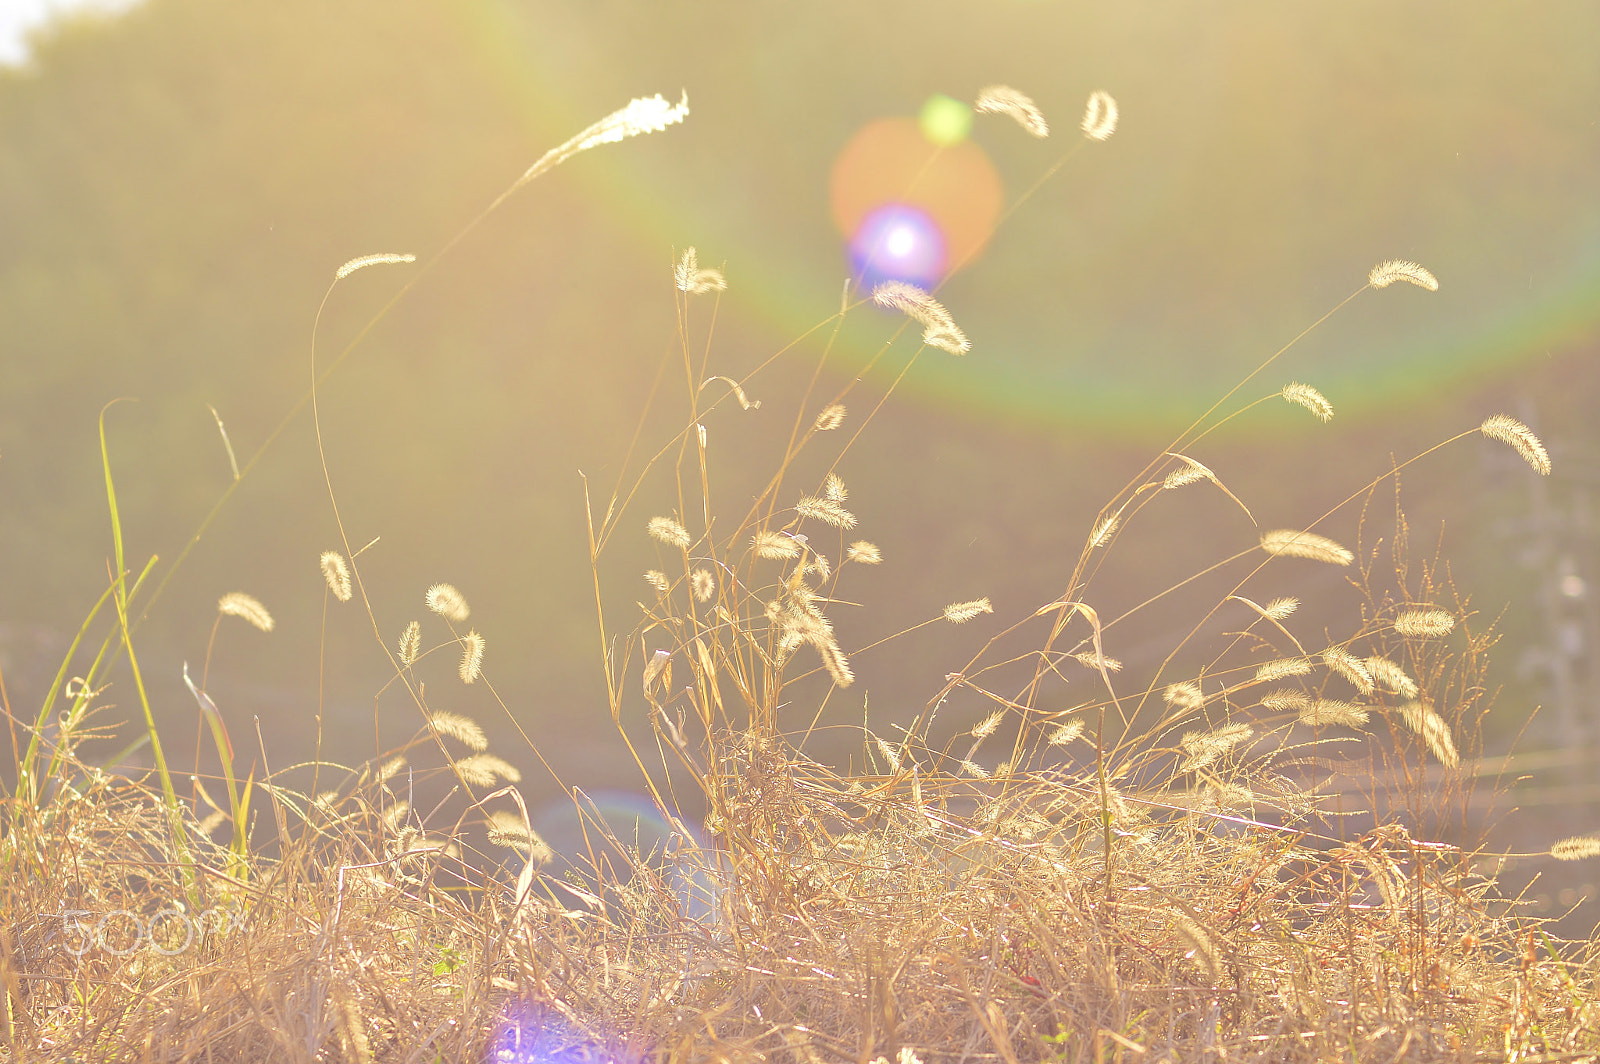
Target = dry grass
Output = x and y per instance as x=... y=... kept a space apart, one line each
x=1263 y=858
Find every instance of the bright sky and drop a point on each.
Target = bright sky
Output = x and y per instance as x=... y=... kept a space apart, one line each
x=17 y=17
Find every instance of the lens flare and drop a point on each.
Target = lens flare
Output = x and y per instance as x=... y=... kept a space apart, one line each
x=898 y=242
x=911 y=210
x=945 y=120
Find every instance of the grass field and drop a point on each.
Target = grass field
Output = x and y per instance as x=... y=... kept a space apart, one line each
x=1257 y=851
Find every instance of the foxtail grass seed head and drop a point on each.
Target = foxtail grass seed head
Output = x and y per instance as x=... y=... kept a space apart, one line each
x=669 y=532
x=649 y=114
x=1432 y=730
x=1279 y=608
x=389 y=768
x=1308 y=397
x=247 y=608
x=962 y=612
x=370 y=260
x=829 y=418
x=825 y=510
x=1004 y=100
x=1287 y=543
x=1066 y=733
x=1387 y=273
x=658 y=580
x=1103 y=529
x=471 y=657
x=337 y=574
x=836 y=663
x=692 y=279
x=1277 y=670
x=1205 y=748
x=833 y=489
x=1510 y=430
x=702 y=584
x=986 y=727
x=975 y=770
x=1285 y=701
x=1088 y=658
x=1201 y=949
x=1100 y=116
x=890 y=754
x=1327 y=711
x=1350 y=667
x=464 y=730
x=410 y=644
x=396 y=814
x=1576 y=848
x=1391 y=677
x=1423 y=623
x=481 y=770
x=1186 y=695
x=448 y=603
x=817 y=565
x=939 y=329
x=1189 y=473
x=864 y=553
x=508 y=829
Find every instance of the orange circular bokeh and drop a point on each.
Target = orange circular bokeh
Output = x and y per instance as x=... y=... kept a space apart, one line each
x=890 y=161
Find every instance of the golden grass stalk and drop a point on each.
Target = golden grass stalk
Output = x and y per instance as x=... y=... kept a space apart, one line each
x=1391 y=677
x=464 y=730
x=471 y=657
x=1351 y=668
x=1066 y=733
x=1308 y=397
x=1100 y=116
x=962 y=612
x=669 y=532
x=864 y=552
x=775 y=545
x=1103 y=529
x=1387 y=273
x=1288 y=543
x=939 y=329
x=692 y=279
x=825 y=510
x=383 y=259
x=1277 y=670
x=1510 y=430
x=1326 y=711
x=1433 y=730
x=410 y=644
x=1576 y=848
x=246 y=608
x=1424 y=623
x=482 y=770
x=1004 y=100
x=1186 y=695
x=337 y=573
x=835 y=662
x=1286 y=701
x=1204 y=748
x=448 y=603
x=509 y=829
x=829 y=418
x=986 y=727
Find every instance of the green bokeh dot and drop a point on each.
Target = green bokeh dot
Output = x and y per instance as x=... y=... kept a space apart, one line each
x=945 y=121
